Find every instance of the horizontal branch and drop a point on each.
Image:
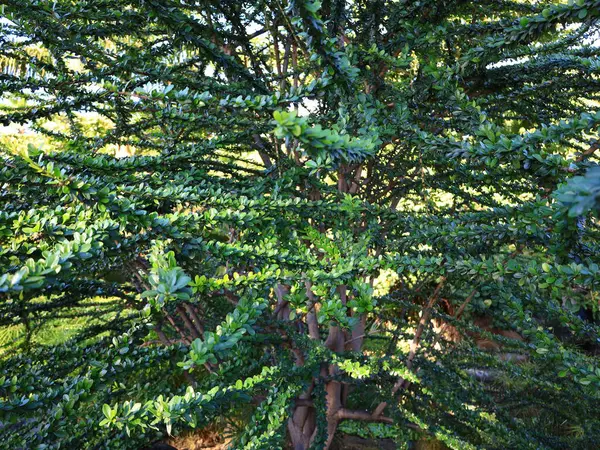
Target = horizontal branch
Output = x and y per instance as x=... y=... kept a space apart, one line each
x=355 y=414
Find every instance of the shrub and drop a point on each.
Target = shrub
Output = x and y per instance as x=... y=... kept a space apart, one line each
x=314 y=186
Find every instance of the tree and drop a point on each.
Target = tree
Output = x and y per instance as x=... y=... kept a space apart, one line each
x=330 y=204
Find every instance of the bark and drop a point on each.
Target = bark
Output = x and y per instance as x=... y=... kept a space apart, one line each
x=194 y=315
x=189 y=326
x=181 y=334
x=302 y=425
x=282 y=310
x=161 y=334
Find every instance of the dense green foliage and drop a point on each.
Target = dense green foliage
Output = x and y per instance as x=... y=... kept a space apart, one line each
x=326 y=208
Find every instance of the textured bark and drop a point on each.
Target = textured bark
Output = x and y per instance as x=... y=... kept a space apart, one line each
x=191 y=310
x=189 y=326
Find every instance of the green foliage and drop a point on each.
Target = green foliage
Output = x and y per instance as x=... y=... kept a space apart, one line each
x=301 y=217
x=581 y=194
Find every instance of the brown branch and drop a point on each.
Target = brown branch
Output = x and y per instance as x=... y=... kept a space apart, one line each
x=179 y=332
x=304 y=402
x=276 y=48
x=280 y=310
x=286 y=60
x=311 y=315
x=589 y=152
x=422 y=323
x=414 y=346
x=261 y=147
x=142 y=282
x=161 y=334
x=231 y=297
x=290 y=28
x=187 y=322
x=194 y=315
x=280 y=307
x=456 y=315
x=355 y=182
x=355 y=414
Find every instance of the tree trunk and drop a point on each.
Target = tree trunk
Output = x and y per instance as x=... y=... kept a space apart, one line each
x=302 y=426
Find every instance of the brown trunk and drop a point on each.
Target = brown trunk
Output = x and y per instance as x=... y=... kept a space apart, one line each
x=302 y=426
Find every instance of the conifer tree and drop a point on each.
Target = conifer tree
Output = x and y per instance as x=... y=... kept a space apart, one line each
x=329 y=214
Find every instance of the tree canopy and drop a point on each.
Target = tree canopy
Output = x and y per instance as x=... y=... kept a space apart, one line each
x=299 y=217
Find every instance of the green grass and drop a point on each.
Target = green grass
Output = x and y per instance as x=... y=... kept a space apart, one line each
x=72 y=321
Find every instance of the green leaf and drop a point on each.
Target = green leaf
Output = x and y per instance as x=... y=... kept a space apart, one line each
x=106 y=410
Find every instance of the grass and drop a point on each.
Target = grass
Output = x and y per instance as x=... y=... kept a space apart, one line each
x=55 y=331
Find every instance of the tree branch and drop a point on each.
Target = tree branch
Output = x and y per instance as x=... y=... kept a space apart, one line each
x=415 y=343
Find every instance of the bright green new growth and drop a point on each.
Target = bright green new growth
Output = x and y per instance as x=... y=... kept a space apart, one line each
x=331 y=217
